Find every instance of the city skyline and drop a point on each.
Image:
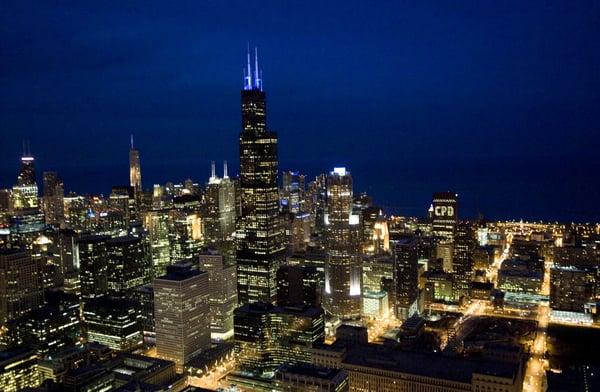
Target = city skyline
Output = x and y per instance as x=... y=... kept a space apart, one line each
x=457 y=112
x=431 y=228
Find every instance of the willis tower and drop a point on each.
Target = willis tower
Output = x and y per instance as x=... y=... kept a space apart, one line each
x=260 y=234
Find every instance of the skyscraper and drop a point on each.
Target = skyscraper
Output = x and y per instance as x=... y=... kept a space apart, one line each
x=444 y=214
x=135 y=171
x=223 y=294
x=260 y=235
x=407 y=278
x=53 y=199
x=462 y=260
x=25 y=192
x=343 y=271
x=181 y=311
x=21 y=288
x=219 y=208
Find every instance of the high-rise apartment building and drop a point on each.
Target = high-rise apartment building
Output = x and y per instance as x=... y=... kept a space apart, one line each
x=182 y=313
x=343 y=271
x=260 y=235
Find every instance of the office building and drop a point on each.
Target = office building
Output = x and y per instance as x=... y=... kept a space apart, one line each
x=407 y=278
x=571 y=287
x=25 y=192
x=444 y=210
x=267 y=336
x=462 y=260
x=259 y=233
x=135 y=171
x=21 y=285
x=343 y=271
x=292 y=191
x=300 y=378
x=93 y=265
x=128 y=264
x=53 y=199
x=19 y=370
x=298 y=286
x=182 y=313
x=156 y=223
x=114 y=322
x=223 y=293
x=375 y=368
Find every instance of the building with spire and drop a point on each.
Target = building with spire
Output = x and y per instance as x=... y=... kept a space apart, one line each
x=25 y=192
x=135 y=171
x=260 y=235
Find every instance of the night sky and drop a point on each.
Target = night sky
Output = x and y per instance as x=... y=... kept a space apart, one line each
x=497 y=100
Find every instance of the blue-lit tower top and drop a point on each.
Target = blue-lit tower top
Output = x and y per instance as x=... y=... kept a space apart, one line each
x=253 y=78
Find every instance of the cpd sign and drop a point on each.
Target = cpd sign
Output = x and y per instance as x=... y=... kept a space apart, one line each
x=444 y=211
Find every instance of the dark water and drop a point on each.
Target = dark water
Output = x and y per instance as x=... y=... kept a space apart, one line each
x=540 y=190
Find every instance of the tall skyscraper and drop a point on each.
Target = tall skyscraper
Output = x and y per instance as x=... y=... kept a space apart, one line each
x=53 y=199
x=25 y=192
x=462 y=260
x=21 y=288
x=135 y=170
x=407 y=278
x=181 y=312
x=223 y=293
x=219 y=208
x=260 y=235
x=444 y=214
x=343 y=271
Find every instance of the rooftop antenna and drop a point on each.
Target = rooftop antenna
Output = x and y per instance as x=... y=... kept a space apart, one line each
x=212 y=169
x=248 y=77
x=225 y=169
x=257 y=80
x=132 y=141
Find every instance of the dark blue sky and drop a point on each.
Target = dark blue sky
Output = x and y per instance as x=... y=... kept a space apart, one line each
x=499 y=100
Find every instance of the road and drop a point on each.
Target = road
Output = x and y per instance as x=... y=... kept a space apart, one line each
x=535 y=371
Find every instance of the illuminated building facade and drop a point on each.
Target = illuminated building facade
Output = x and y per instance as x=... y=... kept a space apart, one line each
x=298 y=286
x=53 y=199
x=93 y=265
x=267 y=336
x=219 y=208
x=292 y=191
x=444 y=214
x=462 y=260
x=223 y=293
x=114 y=322
x=571 y=287
x=156 y=222
x=135 y=170
x=260 y=235
x=128 y=264
x=25 y=192
x=19 y=370
x=182 y=313
x=343 y=271
x=407 y=278
x=21 y=287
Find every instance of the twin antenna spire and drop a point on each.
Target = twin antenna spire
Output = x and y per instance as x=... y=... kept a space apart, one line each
x=253 y=81
x=213 y=172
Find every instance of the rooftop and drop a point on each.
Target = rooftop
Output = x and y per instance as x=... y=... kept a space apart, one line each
x=428 y=365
